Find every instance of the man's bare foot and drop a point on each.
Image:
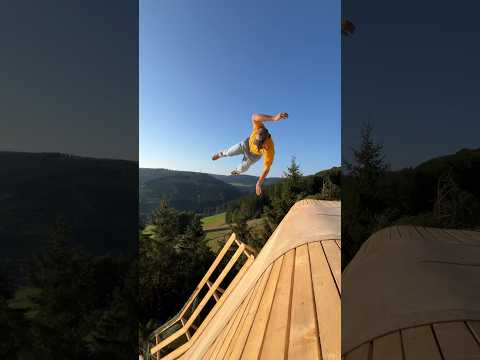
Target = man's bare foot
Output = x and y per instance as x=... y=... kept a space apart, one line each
x=216 y=156
x=234 y=173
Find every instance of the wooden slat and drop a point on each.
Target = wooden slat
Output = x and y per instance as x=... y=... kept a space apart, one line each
x=474 y=327
x=327 y=301
x=304 y=339
x=214 y=348
x=210 y=271
x=202 y=303
x=339 y=243
x=456 y=341
x=188 y=332
x=334 y=260
x=388 y=347
x=419 y=344
x=255 y=337
x=361 y=353
x=237 y=319
x=275 y=340
x=236 y=347
x=471 y=238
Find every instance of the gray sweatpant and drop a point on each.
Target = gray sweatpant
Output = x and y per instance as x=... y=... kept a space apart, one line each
x=241 y=149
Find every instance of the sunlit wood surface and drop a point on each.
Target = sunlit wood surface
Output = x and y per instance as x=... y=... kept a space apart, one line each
x=413 y=293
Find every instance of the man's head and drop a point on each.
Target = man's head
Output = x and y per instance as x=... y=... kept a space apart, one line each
x=261 y=136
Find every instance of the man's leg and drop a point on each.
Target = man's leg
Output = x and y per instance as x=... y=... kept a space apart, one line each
x=236 y=149
x=244 y=166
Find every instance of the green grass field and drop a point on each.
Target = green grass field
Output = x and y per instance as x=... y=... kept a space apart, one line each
x=214 y=221
x=217 y=230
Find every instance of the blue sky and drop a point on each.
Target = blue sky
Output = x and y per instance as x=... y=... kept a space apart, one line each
x=206 y=66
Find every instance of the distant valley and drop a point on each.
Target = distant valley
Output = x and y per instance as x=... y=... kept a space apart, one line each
x=192 y=191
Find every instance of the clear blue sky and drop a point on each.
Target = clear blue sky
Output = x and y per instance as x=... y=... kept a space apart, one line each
x=205 y=66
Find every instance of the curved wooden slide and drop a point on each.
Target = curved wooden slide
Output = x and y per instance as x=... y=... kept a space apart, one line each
x=413 y=293
x=287 y=304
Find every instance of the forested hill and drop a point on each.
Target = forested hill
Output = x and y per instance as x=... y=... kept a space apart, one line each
x=96 y=198
x=192 y=191
x=245 y=182
x=183 y=190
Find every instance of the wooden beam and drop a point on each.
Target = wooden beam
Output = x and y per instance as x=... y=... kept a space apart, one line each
x=215 y=296
x=202 y=304
x=188 y=332
x=200 y=285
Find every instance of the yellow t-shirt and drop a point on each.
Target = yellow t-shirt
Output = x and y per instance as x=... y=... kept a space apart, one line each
x=267 y=151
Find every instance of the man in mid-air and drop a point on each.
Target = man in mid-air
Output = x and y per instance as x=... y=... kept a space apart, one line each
x=258 y=144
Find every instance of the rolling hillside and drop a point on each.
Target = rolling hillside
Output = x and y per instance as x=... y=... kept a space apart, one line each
x=245 y=182
x=183 y=190
x=192 y=191
x=96 y=198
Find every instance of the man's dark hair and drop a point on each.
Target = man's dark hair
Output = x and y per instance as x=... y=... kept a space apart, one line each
x=263 y=135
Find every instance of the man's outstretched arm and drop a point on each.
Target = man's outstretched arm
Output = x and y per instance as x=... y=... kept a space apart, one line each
x=259 y=118
x=261 y=179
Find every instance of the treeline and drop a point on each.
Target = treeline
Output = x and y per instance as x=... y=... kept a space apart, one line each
x=70 y=305
x=442 y=192
x=173 y=257
x=277 y=200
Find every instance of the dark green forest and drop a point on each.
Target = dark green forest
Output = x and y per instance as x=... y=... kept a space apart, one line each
x=68 y=267
x=441 y=192
x=70 y=305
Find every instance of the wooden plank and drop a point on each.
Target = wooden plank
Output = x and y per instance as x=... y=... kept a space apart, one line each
x=360 y=353
x=327 y=301
x=419 y=344
x=275 y=340
x=236 y=347
x=456 y=341
x=202 y=303
x=304 y=338
x=474 y=327
x=219 y=340
x=229 y=289
x=237 y=319
x=333 y=255
x=254 y=342
x=339 y=243
x=388 y=347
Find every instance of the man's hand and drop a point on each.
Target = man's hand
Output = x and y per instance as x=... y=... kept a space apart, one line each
x=279 y=116
x=258 y=188
x=261 y=179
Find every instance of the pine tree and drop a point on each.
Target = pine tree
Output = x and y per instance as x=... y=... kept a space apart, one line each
x=369 y=165
x=361 y=194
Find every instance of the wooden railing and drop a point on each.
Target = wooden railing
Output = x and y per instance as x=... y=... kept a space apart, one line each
x=174 y=337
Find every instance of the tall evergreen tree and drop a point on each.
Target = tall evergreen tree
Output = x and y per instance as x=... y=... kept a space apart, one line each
x=361 y=193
